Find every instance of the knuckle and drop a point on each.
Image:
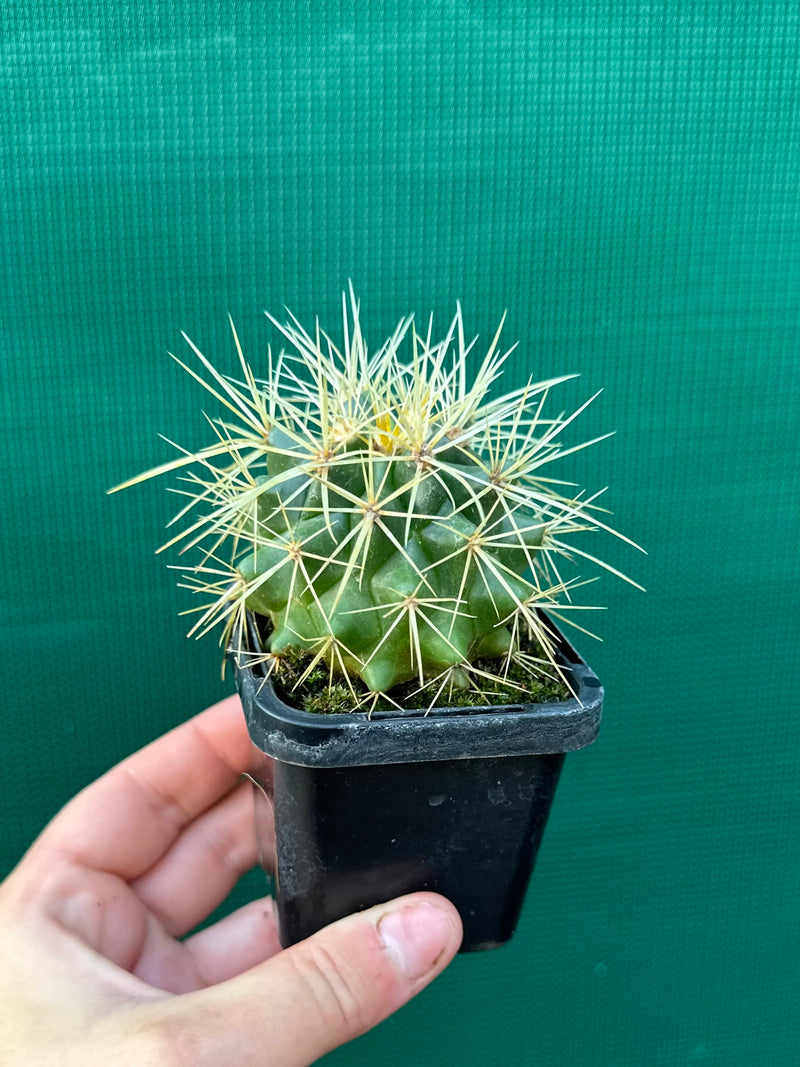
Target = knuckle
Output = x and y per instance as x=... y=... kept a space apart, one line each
x=230 y=839
x=225 y=843
x=342 y=995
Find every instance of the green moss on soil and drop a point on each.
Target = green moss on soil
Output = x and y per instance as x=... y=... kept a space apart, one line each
x=315 y=693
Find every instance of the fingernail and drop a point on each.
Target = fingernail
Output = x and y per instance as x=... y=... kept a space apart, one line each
x=414 y=936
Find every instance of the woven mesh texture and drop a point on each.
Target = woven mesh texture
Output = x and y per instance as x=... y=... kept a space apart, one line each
x=624 y=179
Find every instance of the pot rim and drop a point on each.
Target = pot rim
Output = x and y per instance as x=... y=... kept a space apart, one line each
x=360 y=739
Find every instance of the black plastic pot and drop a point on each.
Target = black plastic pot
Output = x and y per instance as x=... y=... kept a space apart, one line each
x=454 y=801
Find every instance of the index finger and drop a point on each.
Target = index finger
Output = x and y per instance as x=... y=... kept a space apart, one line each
x=125 y=821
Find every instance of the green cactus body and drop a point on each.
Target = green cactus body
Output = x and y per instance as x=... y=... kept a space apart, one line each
x=386 y=515
x=385 y=572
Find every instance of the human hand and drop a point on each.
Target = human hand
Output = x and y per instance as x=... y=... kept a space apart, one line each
x=93 y=970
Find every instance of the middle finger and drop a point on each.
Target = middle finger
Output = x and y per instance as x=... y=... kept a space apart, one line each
x=204 y=863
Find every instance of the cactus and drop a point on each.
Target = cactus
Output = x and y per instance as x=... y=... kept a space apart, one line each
x=386 y=515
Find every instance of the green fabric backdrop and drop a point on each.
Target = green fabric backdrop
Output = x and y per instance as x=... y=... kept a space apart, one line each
x=624 y=179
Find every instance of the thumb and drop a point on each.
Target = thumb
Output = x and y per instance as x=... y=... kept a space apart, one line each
x=321 y=993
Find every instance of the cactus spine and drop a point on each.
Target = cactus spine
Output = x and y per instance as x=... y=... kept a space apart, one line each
x=384 y=513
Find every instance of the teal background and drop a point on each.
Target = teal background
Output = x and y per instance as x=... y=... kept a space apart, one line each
x=624 y=179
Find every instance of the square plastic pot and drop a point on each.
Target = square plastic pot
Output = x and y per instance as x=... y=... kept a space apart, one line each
x=454 y=801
